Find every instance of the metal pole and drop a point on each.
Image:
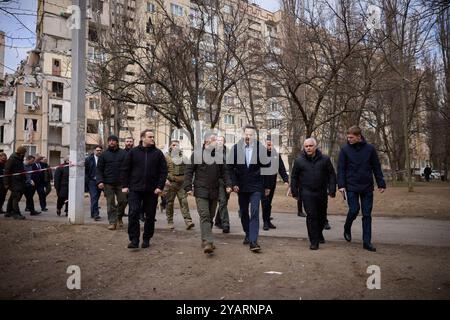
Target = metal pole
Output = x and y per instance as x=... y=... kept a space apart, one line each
x=77 y=112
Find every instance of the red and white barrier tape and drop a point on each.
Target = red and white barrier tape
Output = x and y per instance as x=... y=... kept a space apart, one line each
x=45 y=169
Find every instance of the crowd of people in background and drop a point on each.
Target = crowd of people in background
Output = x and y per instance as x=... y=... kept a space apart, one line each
x=140 y=176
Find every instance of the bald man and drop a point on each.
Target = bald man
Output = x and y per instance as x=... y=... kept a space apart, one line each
x=313 y=179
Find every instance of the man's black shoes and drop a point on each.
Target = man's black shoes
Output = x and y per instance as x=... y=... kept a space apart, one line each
x=246 y=240
x=347 y=235
x=145 y=244
x=266 y=226
x=254 y=247
x=327 y=226
x=133 y=245
x=369 y=247
x=35 y=213
x=226 y=229
x=314 y=247
x=272 y=226
x=301 y=214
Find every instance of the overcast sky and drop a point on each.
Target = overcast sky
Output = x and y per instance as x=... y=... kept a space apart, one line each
x=20 y=36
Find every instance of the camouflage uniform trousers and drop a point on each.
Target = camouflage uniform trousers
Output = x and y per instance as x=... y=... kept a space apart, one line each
x=175 y=190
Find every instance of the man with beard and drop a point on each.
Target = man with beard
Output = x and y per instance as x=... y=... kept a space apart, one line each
x=204 y=177
x=108 y=179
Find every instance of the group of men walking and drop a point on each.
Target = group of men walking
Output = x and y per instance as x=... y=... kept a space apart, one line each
x=137 y=176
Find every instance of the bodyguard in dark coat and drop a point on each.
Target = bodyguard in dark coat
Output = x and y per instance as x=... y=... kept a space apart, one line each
x=90 y=181
x=206 y=176
x=313 y=178
x=108 y=179
x=248 y=182
x=144 y=174
x=30 y=185
x=61 y=181
x=266 y=201
x=16 y=184
x=39 y=178
x=358 y=163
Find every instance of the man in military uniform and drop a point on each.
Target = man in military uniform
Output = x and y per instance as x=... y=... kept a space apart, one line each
x=175 y=168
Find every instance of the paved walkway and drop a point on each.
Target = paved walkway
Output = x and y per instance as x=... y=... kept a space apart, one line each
x=409 y=231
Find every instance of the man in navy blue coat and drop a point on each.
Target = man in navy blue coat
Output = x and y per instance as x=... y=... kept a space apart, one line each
x=358 y=163
x=248 y=182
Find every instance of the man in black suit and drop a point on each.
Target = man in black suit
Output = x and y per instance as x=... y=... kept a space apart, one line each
x=91 y=181
x=266 y=202
x=39 y=178
x=248 y=182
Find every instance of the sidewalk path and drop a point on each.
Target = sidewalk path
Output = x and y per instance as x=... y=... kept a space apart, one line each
x=408 y=231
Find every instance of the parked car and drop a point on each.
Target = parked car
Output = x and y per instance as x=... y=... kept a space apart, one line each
x=435 y=174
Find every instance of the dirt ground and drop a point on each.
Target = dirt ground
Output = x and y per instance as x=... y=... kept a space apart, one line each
x=35 y=256
x=429 y=200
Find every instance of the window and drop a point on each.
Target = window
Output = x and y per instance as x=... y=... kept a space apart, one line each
x=273 y=107
x=227 y=9
x=25 y=122
x=2 y=109
x=55 y=135
x=272 y=91
x=150 y=113
x=56 y=114
x=273 y=124
x=97 y=6
x=227 y=28
x=149 y=27
x=92 y=126
x=31 y=150
x=151 y=7
x=56 y=67
x=2 y=134
x=176 y=10
x=195 y=18
x=229 y=119
x=130 y=118
x=58 y=89
x=130 y=73
x=93 y=104
x=94 y=54
x=92 y=35
x=30 y=98
x=228 y=100
x=177 y=134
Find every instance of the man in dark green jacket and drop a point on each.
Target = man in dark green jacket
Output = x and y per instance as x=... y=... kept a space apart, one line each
x=206 y=187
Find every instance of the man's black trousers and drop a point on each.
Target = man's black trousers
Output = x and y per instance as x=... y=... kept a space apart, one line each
x=315 y=204
x=145 y=202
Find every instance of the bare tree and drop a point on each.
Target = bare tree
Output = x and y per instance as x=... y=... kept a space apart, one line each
x=183 y=63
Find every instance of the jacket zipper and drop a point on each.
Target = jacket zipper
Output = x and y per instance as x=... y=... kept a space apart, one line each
x=145 y=170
